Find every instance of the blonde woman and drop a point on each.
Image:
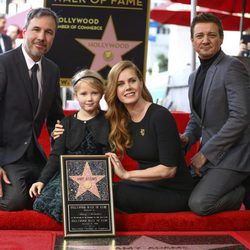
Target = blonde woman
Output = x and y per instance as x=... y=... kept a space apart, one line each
x=148 y=133
x=85 y=132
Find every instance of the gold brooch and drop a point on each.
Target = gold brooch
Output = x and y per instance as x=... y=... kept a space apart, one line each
x=142 y=131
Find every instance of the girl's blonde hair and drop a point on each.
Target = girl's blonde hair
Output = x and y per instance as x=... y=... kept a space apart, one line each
x=91 y=77
x=117 y=114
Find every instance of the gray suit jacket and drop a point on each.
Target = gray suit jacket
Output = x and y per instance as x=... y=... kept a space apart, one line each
x=224 y=125
x=18 y=118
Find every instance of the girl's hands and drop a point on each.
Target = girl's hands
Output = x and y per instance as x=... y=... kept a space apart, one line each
x=36 y=189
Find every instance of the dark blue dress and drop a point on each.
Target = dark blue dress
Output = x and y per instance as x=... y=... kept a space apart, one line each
x=93 y=142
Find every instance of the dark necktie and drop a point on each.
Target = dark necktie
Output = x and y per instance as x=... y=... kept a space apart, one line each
x=35 y=83
x=1 y=51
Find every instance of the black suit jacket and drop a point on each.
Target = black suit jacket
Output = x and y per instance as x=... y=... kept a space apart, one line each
x=18 y=117
x=7 y=42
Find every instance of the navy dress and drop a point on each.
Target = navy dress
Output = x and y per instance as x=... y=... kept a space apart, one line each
x=79 y=138
x=155 y=141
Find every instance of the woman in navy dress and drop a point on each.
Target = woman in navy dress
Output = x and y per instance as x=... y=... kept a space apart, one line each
x=148 y=133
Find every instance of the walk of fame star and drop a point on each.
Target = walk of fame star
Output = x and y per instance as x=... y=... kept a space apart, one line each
x=149 y=243
x=108 y=50
x=87 y=181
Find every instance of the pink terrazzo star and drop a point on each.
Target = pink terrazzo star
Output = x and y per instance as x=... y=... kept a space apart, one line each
x=87 y=181
x=108 y=51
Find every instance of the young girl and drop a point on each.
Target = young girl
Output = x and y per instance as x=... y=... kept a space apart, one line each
x=85 y=132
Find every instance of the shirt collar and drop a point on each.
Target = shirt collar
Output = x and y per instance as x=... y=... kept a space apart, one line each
x=209 y=61
x=29 y=60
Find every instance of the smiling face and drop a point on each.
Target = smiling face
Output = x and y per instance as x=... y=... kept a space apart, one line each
x=88 y=97
x=206 y=40
x=39 y=36
x=129 y=87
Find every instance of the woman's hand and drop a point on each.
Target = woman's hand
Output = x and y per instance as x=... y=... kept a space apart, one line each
x=36 y=189
x=155 y=173
x=58 y=130
x=117 y=166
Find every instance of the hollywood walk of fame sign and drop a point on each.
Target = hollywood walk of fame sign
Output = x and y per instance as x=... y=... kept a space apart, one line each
x=87 y=196
x=96 y=34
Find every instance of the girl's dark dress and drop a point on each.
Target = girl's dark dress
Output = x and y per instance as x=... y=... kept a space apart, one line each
x=155 y=141
x=79 y=138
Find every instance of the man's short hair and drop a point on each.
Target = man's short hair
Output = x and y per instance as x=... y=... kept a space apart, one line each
x=207 y=18
x=40 y=12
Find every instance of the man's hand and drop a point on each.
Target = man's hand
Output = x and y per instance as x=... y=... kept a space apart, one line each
x=184 y=140
x=36 y=189
x=58 y=130
x=197 y=162
x=3 y=177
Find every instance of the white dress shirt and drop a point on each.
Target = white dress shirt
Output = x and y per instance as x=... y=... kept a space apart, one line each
x=30 y=64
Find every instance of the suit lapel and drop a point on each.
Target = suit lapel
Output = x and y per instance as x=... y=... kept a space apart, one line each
x=24 y=74
x=206 y=87
x=208 y=83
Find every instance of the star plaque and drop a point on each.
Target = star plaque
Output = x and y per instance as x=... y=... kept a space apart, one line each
x=87 y=195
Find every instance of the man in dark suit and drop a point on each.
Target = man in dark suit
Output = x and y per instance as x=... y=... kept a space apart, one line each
x=219 y=93
x=24 y=106
x=5 y=41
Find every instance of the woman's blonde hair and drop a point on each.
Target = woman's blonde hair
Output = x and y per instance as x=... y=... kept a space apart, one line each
x=117 y=114
x=91 y=77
